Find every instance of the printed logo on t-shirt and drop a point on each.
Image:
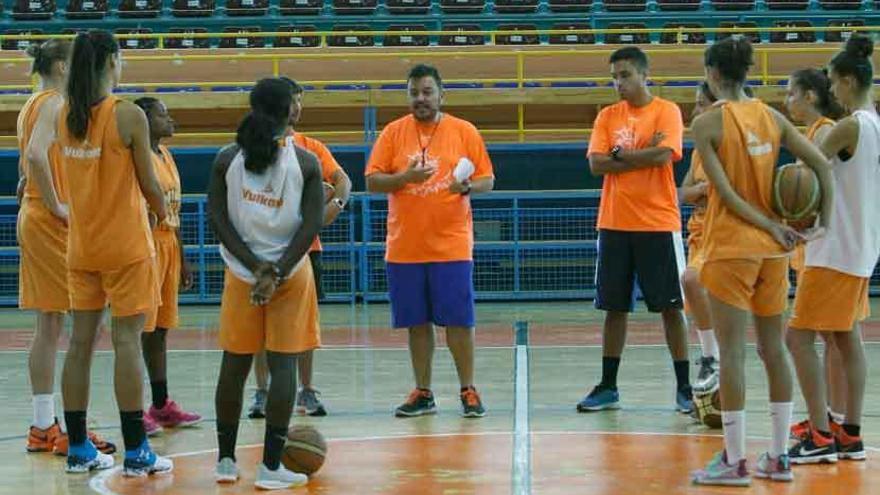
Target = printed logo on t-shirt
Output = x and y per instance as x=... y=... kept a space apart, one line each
x=625 y=137
x=435 y=184
x=261 y=199
x=756 y=147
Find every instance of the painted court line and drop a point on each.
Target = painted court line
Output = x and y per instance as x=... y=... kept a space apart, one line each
x=522 y=452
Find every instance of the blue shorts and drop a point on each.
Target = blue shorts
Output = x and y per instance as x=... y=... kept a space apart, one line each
x=438 y=293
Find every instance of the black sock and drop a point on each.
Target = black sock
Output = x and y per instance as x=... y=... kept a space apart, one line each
x=273 y=446
x=160 y=393
x=227 y=436
x=825 y=434
x=133 y=434
x=851 y=430
x=682 y=373
x=76 y=426
x=609 y=371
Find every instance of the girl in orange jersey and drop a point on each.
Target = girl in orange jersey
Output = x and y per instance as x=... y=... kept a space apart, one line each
x=746 y=254
x=105 y=153
x=42 y=235
x=173 y=273
x=810 y=102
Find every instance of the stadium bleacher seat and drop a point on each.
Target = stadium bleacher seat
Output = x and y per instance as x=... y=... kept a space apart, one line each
x=193 y=8
x=298 y=37
x=300 y=7
x=408 y=7
x=86 y=9
x=462 y=6
x=351 y=40
x=137 y=43
x=354 y=7
x=570 y=5
x=33 y=10
x=573 y=38
x=787 y=4
x=517 y=39
x=243 y=41
x=840 y=4
x=791 y=35
x=406 y=39
x=733 y=4
x=624 y=5
x=678 y=5
x=140 y=8
x=237 y=8
x=626 y=38
x=752 y=36
x=516 y=6
x=462 y=39
x=686 y=37
x=20 y=44
x=838 y=36
x=178 y=43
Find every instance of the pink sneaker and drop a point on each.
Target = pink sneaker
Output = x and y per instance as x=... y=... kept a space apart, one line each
x=151 y=426
x=171 y=415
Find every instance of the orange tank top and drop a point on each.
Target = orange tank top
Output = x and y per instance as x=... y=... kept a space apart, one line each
x=698 y=215
x=169 y=182
x=748 y=154
x=797 y=259
x=27 y=120
x=108 y=221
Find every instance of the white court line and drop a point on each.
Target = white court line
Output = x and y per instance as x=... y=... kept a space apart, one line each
x=522 y=451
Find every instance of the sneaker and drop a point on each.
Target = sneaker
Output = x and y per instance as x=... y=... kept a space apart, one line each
x=103 y=446
x=171 y=415
x=86 y=457
x=143 y=462
x=600 y=398
x=684 y=400
x=151 y=426
x=307 y=403
x=776 y=469
x=419 y=403
x=226 y=471
x=849 y=447
x=719 y=472
x=813 y=448
x=278 y=479
x=799 y=431
x=43 y=440
x=707 y=377
x=471 y=405
x=258 y=408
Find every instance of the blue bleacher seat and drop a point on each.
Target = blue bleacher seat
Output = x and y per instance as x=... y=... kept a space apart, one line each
x=393 y=87
x=462 y=6
x=237 y=8
x=140 y=8
x=573 y=84
x=624 y=5
x=791 y=34
x=346 y=87
x=572 y=39
x=840 y=4
x=408 y=7
x=838 y=36
x=686 y=37
x=243 y=41
x=787 y=4
x=177 y=43
x=300 y=7
x=678 y=5
x=463 y=39
x=20 y=44
x=178 y=89
x=31 y=10
x=752 y=36
x=86 y=9
x=351 y=40
x=516 y=6
x=137 y=43
x=232 y=89
x=463 y=85
x=513 y=85
x=733 y=4
x=570 y=5
x=354 y=7
x=193 y=8
x=517 y=39
x=404 y=39
x=298 y=37
x=626 y=38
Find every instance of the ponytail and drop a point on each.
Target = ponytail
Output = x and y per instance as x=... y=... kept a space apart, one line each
x=260 y=129
x=46 y=54
x=87 y=65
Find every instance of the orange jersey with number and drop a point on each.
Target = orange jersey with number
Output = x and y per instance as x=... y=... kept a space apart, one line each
x=27 y=120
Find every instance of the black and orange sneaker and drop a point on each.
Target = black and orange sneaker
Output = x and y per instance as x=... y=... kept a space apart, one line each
x=103 y=446
x=849 y=447
x=471 y=405
x=419 y=403
x=814 y=448
x=43 y=440
x=799 y=431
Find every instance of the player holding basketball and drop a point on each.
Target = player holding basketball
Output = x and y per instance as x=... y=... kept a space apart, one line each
x=266 y=204
x=173 y=273
x=833 y=288
x=420 y=161
x=633 y=146
x=307 y=401
x=746 y=253
x=105 y=150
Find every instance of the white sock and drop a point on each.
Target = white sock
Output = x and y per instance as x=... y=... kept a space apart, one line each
x=836 y=416
x=44 y=410
x=734 y=435
x=780 y=417
x=709 y=343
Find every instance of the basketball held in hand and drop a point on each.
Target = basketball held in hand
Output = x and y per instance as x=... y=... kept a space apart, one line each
x=796 y=195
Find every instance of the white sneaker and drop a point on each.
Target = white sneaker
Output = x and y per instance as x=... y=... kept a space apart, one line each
x=101 y=461
x=226 y=471
x=279 y=479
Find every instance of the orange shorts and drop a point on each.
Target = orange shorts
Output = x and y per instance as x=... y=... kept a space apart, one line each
x=288 y=323
x=695 y=252
x=168 y=271
x=756 y=285
x=42 y=278
x=797 y=259
x=130 y=290
x=829 y=300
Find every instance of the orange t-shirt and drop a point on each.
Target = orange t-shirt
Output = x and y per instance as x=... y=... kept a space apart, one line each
x=169 y=182
x=108 y=214
x=748 y=154
x=644 y=200
x=799 y=256
x=27 y=120
x=329 y=166
x=426 y=222
x=698 y=215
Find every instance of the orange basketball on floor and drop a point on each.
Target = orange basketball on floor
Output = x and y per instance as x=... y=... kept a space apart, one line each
x=304 y=450
x=796 y=194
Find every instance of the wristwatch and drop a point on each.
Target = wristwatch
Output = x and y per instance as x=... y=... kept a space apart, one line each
x=339 y=203
x=615 y=151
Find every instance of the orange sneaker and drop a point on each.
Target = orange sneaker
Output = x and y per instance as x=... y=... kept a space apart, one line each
x=40 y=440
x=103 y=446
x=799 y=431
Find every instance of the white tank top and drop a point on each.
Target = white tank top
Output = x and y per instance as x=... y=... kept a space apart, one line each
x=852 y=242
x=264 y=208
